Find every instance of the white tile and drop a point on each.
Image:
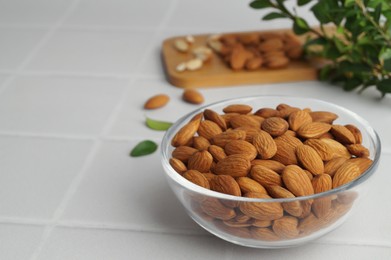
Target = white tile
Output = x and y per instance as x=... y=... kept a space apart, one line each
x=119 y=13
x=16 y=44
x=131 y=119
x=223 y=14
x=18 y=242
x=31 y=12
x=104 y=244
x=123 y=191
x=81 y=51
x=3 y=78
x=36 y=173
x=58 y=105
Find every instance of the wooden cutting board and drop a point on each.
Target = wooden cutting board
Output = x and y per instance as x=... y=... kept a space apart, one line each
x=217 y=74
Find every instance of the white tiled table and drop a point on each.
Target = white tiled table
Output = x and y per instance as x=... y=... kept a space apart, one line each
x=73 y=79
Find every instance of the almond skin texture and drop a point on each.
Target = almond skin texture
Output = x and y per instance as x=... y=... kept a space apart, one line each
x=192 y=96
x=183 y=153
x=286 y=227
x=322 y=183
x=342 y=134
x=226 y=137
x=333 y=165
x=200 y=143
x=267 y=112
x=339 y=150
x=325 y=152
x=225 y=184
x=244 y=121
x=286 y=150
x=214 y=208
x=362 y=163
x=298 y=118
x=200 y=161
x=261 y=210
x=197 y=178
x=358 y=150
x=241 y=147
x=217 y=152
x=264 y=234
x=271 y=164
x=293 y=208
x=247 y=184
x=265 y=145
x=275 y=126
x=208 y=129
x=178 y=165
x=250 y=132
x=215 y=117
x=234 y=165
x=309 y=159
x=238 y=108
x=296 y=180
x=356 y=133
x=323 y=116
x=157 y=101
x=345 y=174
x=265 y=176
x=313 y=130
x=186 y=133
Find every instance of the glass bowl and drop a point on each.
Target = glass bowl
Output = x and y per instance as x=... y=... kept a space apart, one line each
x=222 y=214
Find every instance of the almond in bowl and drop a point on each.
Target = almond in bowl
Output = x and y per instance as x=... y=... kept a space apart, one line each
x=272 y=171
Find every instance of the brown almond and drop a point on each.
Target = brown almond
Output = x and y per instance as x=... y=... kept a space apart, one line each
x=277 y=62
x=156 y=101
x=225 y=184
x=197 y=178
x=214 y=208
x=238 y=108
x=200 y=143
x=271 y=44
x=265 y=145
x=216 y=118
x=261 y=210
x=296 y=181
x=321 y=183
x=254 y=63
x=244 y=121
x=271 y=164
x=362 y=163
x=309 y=174
x=247 y=184
x=323 y=116
x=186 y=133
x=248 y=38
x=333 y=165
x=200 y=161
x=261 y=223
x=345 y=174
x=208 y=129
x=178 y=165
x=295 y=52
x=342 y=134
x=325 y=152
x=209 y=176
x=227 y=118
x=193 y=96
x=275 y=126
x=356 y=133
x=263 y=234
x=298 y=118
x=234 y=165
x=242 y=147
x=294 y=207
x=286 y=227
x=313 y=130
x=358 y=150
x=250 y=132
x=183 y=153
x=228 y=136
x=265 y=176
x=339 y=150
x=267 y=112
x=286 y=151
x=309 y=159
x=217 y=152
x=238 y=57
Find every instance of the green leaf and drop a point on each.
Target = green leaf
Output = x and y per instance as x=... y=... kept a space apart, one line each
x=384 y=86
x=157 y=125
x=274 y=15
x=321 y=12
x=302 y=2
x=351 y=84
x=260 y=4
x=300 y=26
x=144 y=148
x=376 y=15
x=387 y=65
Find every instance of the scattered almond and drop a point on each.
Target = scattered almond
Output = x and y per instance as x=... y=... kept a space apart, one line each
x=156 y=101
x=192 y=96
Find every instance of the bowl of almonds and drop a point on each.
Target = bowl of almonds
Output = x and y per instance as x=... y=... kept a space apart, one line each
x=270 y=171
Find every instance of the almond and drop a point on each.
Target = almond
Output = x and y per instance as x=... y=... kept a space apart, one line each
x=238 y=57
x=261 y=210
x=237 y=224
x=294 y=207
x=227 y=118
x=156 y=101
x=200 y=143
x=200 y=161
x=322 y=183
x=271 y=44
x=216 y=118
x=263 y=234
x=181 y=45
x=217 y=152
x=254 y=63
x=297 y=181
x=265 y=176
x=192 y=96
x=208 y=129
x=358 y=150
x=275 y=126
x=309 y=159
x=234 y=165
x=214 y=208
x=342 y=134
x=277 y=62
x=325 y=152
x=298 y=118
x=267 y=112
x=186 y=133
x=178 y=165
x=238 y=108
x=250 y=132
x=339 y=150
x=265 y=145
x=247 y=184
x=183 y=153
x=295 y=52
x=194 y=64
x=285 y=150
x=333 y=165
x=323 y=116
x=362 y=163
x=286 y=111
x=225 y=184
x=244 y=121
x=313 y=130
x=345 y=174
x=242 y=147
x=271 y=164
x=261 y=223
x=310 y=224
x=197 y=178
x=356 y=133
x=228 y=136
x=286 y=227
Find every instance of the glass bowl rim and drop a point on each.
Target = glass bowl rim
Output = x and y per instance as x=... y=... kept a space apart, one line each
x=180 y=180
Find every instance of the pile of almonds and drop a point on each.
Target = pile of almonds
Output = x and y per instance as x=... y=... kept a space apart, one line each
x=282 y=152
x=251 y=51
